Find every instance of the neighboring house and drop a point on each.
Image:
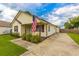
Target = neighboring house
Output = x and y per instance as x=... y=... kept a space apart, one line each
x=4 y=27
x=22 y=23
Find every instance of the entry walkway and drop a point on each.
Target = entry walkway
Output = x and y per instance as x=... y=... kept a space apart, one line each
x=56 y=45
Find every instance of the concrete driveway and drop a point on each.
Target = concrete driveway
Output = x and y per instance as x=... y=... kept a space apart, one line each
x=56 y=45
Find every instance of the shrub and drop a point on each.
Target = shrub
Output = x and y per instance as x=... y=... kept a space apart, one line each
x=31 y=38
x=28 y=37
x=24 y=36
x=35 y=39
x=15 y=34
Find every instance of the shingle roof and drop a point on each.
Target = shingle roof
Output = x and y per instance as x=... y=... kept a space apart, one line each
x=4 y=24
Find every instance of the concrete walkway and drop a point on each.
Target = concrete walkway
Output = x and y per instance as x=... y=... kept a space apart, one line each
x=23 y=43
x=57 y=45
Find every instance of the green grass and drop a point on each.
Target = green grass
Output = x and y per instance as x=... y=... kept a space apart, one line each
x=8 y=48
x=75 y=37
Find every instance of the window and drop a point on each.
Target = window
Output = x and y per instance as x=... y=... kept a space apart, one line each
x=49 y=28
x=15 y=28
x=40 y=28
x=37 y=27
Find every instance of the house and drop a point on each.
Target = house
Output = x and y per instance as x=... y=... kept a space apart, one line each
x=22 y=23
x=4 y=27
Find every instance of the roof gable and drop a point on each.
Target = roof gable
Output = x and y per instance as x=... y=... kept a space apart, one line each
x=15 y=18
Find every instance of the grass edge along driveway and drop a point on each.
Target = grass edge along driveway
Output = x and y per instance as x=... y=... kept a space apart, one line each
x=8 y=48
x=75 y=37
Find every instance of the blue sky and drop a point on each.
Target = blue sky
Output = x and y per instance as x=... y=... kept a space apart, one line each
x=56 y=13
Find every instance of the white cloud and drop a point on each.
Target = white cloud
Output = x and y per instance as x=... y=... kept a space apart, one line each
x=67 y=9
x=60 y=15
x=8 y=11
x=2 y=7
x=58 y=22
x=23 y=6
x=52 y=17
x=7 y=14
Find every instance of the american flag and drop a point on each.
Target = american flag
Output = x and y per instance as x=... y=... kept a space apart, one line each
x=34 y=24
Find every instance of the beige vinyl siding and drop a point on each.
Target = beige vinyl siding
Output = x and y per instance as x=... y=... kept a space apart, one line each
x=26 y=18
x=52 y=30
x=4 y=30
x=27 y=27
x=43 y=34
x=19 y=27
x=22 y=30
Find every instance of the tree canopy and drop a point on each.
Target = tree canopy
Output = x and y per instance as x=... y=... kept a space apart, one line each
x=72 y=23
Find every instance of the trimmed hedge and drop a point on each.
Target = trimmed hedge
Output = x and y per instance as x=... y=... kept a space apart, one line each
x=15 y=35
x=35 y=39
x=31 y=38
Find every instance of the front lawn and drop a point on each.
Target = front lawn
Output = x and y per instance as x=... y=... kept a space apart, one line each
x=75 y=37
x=8 y=48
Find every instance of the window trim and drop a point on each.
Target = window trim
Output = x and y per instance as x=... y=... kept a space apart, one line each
x=15 y=28
x=40 y=28
x=49 y=28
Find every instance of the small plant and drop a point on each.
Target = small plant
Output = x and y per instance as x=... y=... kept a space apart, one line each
x=15 y=34
x=31 y=38
x=35 y=39
x=24 y=36
x=28 y=37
